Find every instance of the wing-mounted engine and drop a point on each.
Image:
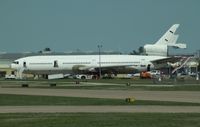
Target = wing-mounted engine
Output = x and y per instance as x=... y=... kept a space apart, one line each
x=77 y=69
x=83 y=69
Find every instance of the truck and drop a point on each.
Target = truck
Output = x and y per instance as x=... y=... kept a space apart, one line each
x=55 y=76
x=149 y=74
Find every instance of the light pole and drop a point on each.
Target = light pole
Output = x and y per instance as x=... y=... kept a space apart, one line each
x=99 y=47
x=197 y=73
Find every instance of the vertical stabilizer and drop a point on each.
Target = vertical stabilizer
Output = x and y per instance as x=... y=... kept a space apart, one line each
x=169 y=35
x=174 y=39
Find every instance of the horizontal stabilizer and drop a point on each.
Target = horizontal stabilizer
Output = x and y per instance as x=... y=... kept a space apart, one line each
x=179 y=45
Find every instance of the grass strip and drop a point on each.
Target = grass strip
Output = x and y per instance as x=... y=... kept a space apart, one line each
x=28 y=100
x=101 y=120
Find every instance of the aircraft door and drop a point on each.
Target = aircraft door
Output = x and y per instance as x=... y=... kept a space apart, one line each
x=55 y=64
x=149 y=67
x=24 y=64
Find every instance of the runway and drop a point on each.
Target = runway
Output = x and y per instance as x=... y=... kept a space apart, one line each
x=99 y=109
x=177 y=96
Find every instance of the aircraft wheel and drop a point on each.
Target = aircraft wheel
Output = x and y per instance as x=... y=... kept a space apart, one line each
x=83 y=77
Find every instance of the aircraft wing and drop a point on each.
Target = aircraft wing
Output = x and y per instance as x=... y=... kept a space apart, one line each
x=165 y=61
x=104 y=67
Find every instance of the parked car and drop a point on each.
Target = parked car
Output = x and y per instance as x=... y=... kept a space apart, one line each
x=11 y=76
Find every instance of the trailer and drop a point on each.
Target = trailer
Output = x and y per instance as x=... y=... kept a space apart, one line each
x=55 y=76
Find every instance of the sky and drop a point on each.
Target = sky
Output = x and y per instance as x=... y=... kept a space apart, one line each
x=117 y=25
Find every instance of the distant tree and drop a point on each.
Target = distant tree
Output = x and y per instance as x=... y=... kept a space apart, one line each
x=47 y=49
x=133 y=52
x=139 y=52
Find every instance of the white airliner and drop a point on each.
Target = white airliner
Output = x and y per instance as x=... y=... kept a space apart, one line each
x=65 y=64
x=82 y=63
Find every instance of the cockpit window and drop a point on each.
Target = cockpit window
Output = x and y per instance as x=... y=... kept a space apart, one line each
x=16 y=62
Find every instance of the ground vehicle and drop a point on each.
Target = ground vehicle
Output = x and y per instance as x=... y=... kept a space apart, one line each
x=155 y=72
x=145 y=74
x=11 y=76
x=86 y=76
x=149 y=74
x=55 y=76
